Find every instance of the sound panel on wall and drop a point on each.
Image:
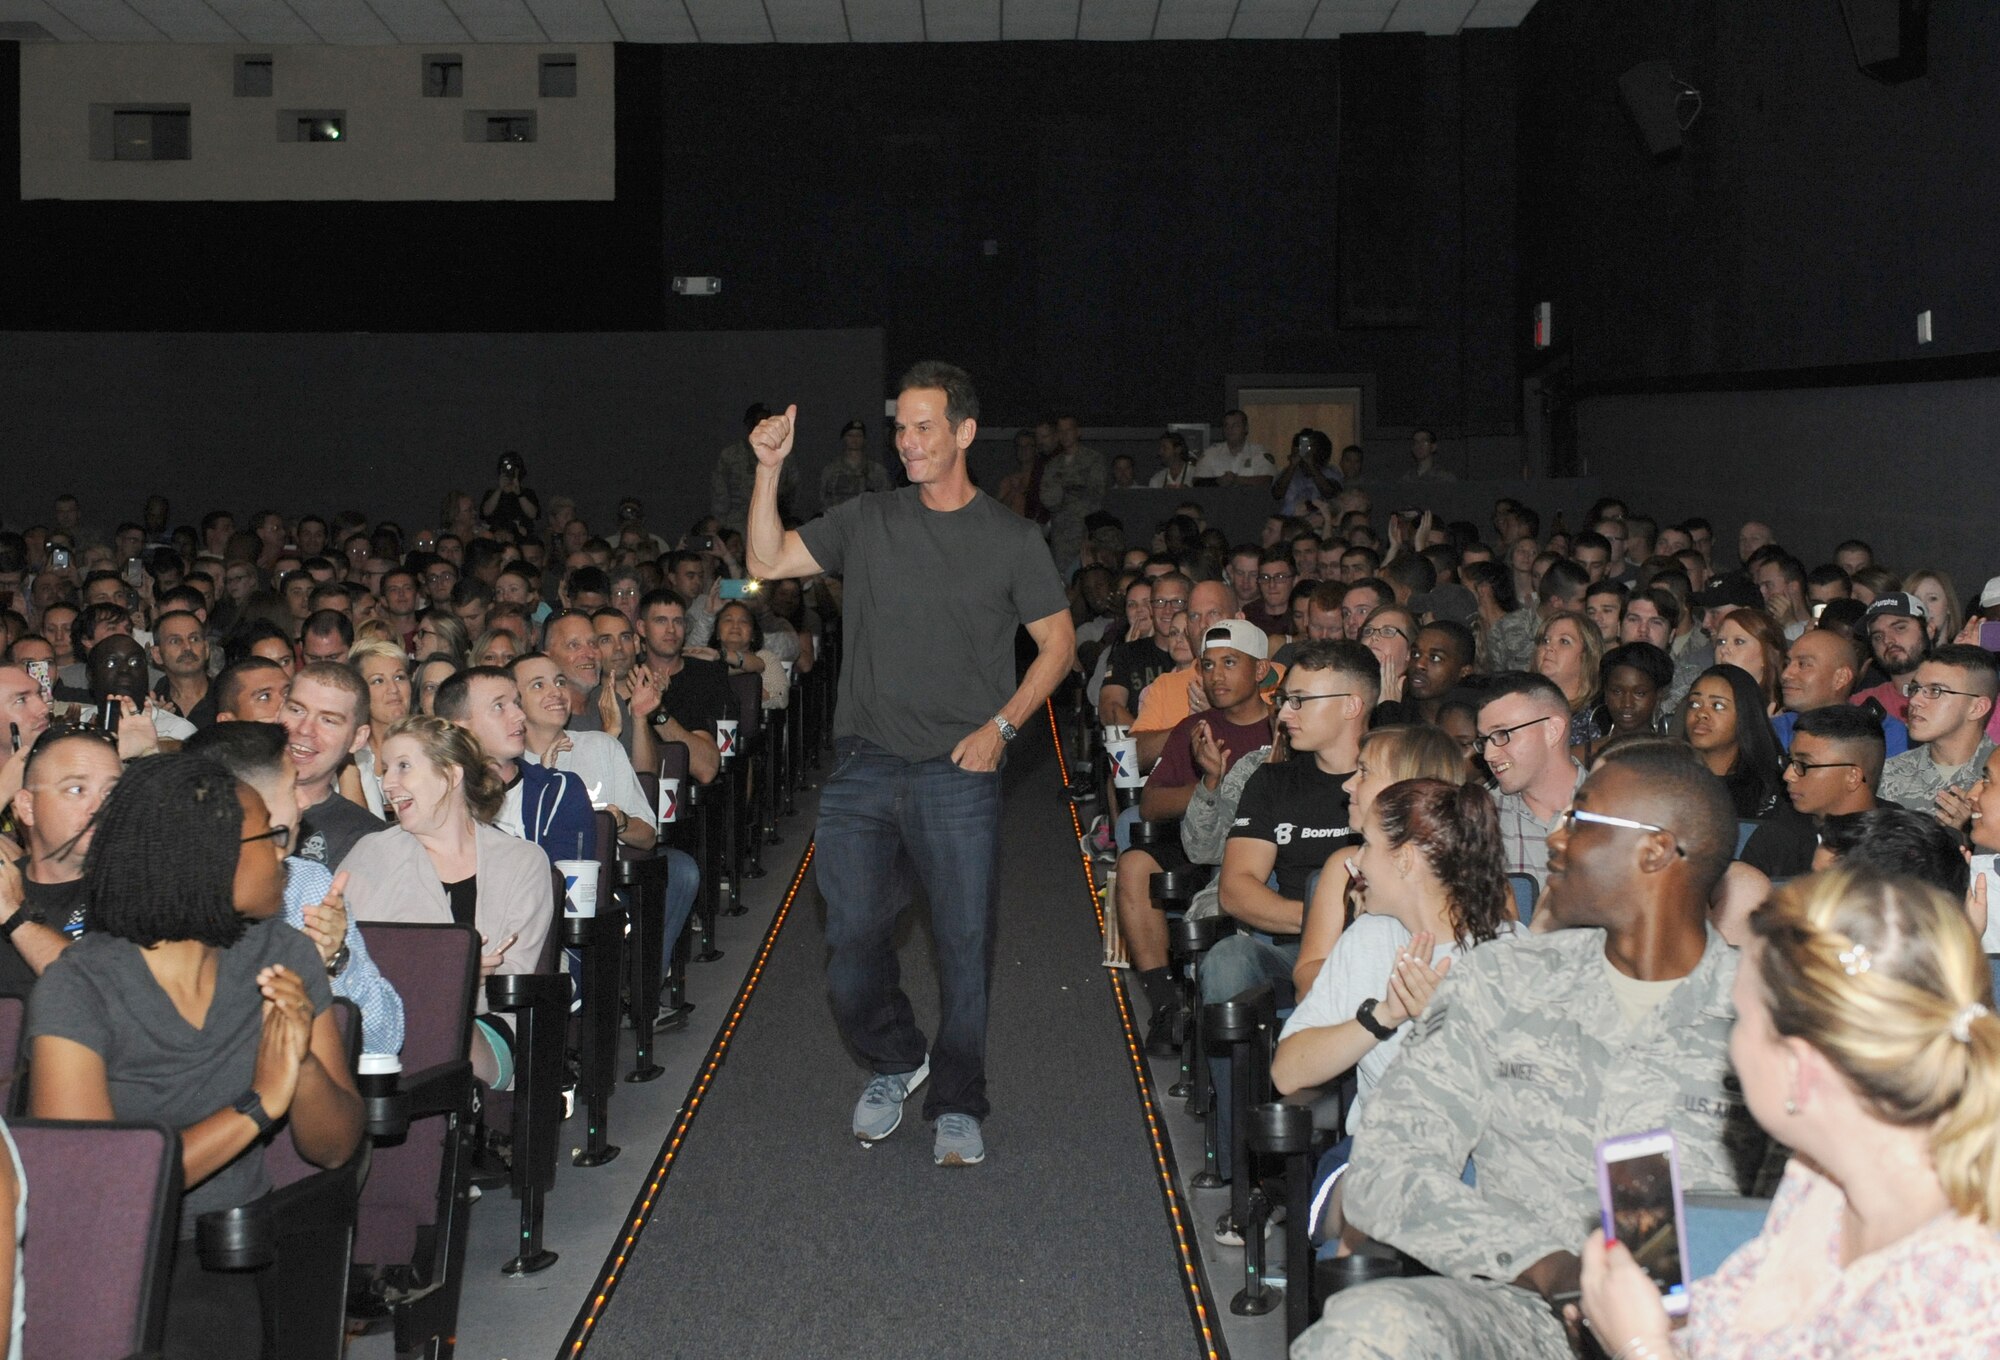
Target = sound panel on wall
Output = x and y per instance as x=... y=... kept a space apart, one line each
x=1650 y=93
x=1891 y=38
x=1383 y=181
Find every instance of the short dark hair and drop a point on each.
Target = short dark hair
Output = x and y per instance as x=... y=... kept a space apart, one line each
x=1413 y=571
x=1975 y=661
x=961 y=400
x=230 y=683
x=587 y=581
x=1895 y=841
x=329 y=623
x=1349 y=659
x=251 y=632
x=658 y=596
x=1850 y=725
x=95 y=619
x=453 y=700
x=162 y=865
x=1643 y=657
x=1564 y=580
x=1507 y=684
x=249 y=750
x=1705 y=820
x=1590 y=538
x=1461 y=637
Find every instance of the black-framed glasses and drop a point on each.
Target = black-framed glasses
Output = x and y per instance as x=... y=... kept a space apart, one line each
x=1802 y=768
x=1912 y=689
x=280 y=835
x=1273 y=577
x=1171 y=606
x=1295 y=702
x=1384 y=632
x=1500 y=736
x=1571 y=816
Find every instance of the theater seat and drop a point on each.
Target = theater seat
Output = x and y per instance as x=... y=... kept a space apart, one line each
x=1717 y=1225
x=102 y=1200
x=13 y=1018
x=1526 y=893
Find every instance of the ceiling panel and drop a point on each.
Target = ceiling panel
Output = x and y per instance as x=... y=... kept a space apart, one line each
x=1194 y=19
x=880 y=21
x=817 y=21
x=1272 y=19
x=266 y=21
x=108 y=21
x=498 y=21
x=573 y=21
x=1498 y=13
x=345 y=21
x=38 y=12
x=1117 y=20
x=1429 y=16
x=729 y=21
x=654 y=21
x=187 y=21
x=1331 y=19
x=962 y=20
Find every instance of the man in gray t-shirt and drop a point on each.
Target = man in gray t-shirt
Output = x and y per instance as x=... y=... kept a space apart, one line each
x=936 y=577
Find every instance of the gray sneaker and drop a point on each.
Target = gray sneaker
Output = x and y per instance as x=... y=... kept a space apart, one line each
x=880 y=1108
x=958 y=1142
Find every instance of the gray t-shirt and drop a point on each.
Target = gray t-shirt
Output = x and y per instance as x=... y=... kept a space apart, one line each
x=932 y=599
x=100 y=994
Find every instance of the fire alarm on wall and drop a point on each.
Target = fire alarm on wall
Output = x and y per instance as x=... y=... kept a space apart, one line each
x=1543 y=311
x=698 y=285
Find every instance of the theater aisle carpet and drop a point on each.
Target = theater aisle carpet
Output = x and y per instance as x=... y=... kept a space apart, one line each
x=776 y=1234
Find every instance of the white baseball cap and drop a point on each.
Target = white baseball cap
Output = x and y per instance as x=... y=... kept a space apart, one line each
x=1241 y=634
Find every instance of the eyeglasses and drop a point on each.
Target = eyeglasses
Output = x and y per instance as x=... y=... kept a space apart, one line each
x=1802 y=768
x=1271 y=577
x=281 y=836
x=1171 y=606
x=1295 y=702
x=1567 y=822
x=1501 y=736
x=1913 y=689
x=1383 y=631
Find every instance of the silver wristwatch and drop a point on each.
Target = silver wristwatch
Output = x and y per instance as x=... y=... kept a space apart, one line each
x=1007 y=730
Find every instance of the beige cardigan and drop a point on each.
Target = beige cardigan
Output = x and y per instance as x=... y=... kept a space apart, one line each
x=391 y=878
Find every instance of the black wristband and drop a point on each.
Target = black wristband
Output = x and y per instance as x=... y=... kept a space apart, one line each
x=1365 y=1017
x=21 y=917
x=251 y=1106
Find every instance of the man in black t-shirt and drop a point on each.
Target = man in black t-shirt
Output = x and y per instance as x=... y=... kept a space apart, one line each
x=325 y=717
x=1292 y=816
x=1135 y=664
x=64 y=783
x=1833 y=768
x=694 y=694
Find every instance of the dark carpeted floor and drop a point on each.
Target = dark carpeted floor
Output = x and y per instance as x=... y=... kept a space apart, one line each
x=778 y=1235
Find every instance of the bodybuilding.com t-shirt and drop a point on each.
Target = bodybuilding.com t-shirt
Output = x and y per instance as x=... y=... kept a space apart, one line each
x=931 y=599
x=1301 y=810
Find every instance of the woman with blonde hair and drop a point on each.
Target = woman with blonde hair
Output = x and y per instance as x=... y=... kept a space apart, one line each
x=385 y=668
x=444 y=861
x=1388 y=756
x=1569 y=650
x=1941 y=602
x=1865 y=1044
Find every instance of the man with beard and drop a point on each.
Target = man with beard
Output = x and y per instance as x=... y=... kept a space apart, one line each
x=1897 y=625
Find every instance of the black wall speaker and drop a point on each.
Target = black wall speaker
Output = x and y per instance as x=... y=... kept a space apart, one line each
x=1891 y=38
x=1650 y=93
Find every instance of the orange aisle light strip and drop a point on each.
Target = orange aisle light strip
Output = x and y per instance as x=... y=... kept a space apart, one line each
x=1178 y=1215
x=642 y=1207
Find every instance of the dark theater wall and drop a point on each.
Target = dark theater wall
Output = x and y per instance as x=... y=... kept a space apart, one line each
x=1162 y=215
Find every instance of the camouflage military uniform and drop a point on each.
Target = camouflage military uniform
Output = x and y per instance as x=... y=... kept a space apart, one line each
x=1523 y=1062
x=1205 y=825
x=1914 y=780
x=1073 y=489
x=1510 y=642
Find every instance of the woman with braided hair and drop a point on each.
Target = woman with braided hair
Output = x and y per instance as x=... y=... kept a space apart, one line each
x=1864 y=1044
x=189 y=1002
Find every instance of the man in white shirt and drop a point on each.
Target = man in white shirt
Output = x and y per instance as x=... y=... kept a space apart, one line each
x=1175 y=470
x=1235 y=459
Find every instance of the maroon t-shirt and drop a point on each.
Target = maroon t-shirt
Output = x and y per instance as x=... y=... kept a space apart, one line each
x=1176 y=769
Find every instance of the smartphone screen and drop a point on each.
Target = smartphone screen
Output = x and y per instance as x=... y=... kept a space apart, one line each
x=38 y=671
x=740 y=588
x=1639 y=1187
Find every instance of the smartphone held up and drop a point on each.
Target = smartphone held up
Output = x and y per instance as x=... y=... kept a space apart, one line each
x=1639 y=1192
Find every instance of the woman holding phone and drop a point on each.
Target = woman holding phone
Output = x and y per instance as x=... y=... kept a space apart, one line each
x=444 y=861
x=1865 y=1044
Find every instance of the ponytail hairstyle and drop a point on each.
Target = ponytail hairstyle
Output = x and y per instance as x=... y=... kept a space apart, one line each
x=448 y=746
x=1455 y=828
x=1886 y=977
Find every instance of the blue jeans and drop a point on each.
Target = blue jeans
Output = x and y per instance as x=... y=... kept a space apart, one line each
x=683 y=884
x=886 y=823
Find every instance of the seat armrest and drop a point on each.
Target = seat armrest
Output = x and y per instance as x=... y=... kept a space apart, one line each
x=519 y=991
x=443 y=1089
